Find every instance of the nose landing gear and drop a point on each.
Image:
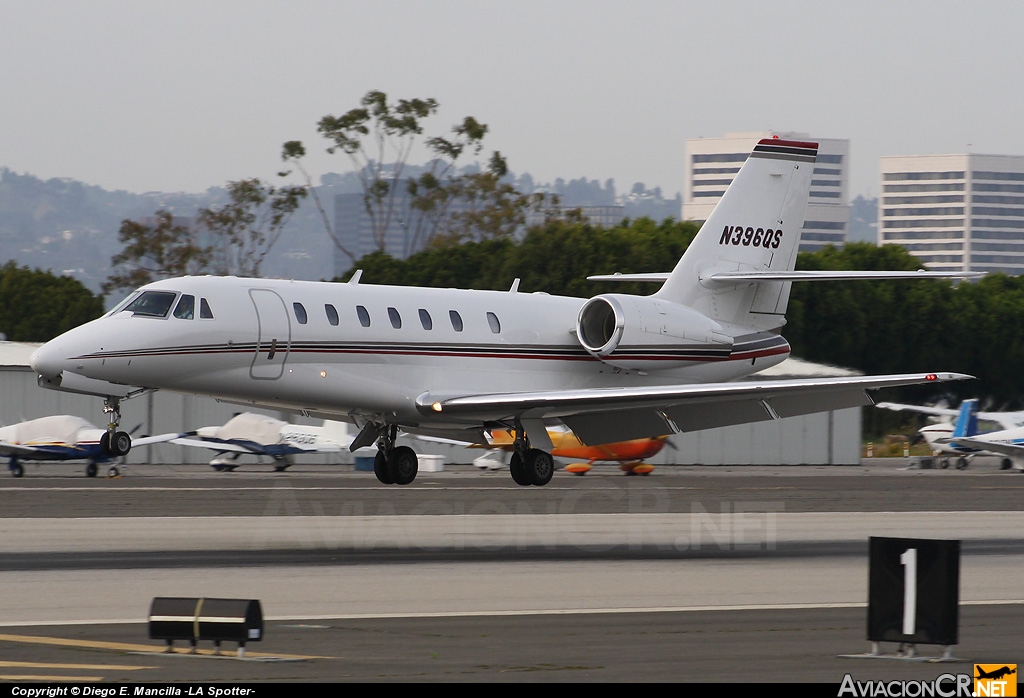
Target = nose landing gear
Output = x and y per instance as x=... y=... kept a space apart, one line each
x=113 y=442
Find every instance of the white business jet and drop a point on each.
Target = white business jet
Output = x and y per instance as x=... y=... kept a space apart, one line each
x=457 y=363
x=260 y=435
x=62 y=437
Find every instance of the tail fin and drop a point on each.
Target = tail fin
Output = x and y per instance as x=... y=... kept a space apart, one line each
x=755 y=227
x=967 y=422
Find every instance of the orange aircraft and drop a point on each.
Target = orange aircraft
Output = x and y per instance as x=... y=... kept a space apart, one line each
x=630 y=454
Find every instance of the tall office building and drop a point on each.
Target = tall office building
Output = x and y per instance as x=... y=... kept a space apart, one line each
x=712 y=163
x=955 y=212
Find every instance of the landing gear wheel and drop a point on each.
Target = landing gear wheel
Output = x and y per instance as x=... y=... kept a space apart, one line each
x=113 y=472
x=90 y=470
x=539 y=467
x=17 y=470
x=961 y=463
x=403 y=465
x=120 y=444
x=1005 y=464
x=105 y=443
x=944 y=463
x=380 y=468
x=517 y=470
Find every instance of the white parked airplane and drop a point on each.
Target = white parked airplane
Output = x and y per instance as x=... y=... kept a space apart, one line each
x=260 y=435
x=455 y=363
x=940 y=435
x=63 y=437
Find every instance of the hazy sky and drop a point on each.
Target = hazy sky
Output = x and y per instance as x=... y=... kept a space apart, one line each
x=184 y=95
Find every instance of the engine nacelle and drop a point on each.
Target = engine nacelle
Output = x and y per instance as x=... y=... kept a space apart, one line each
x=645 y=333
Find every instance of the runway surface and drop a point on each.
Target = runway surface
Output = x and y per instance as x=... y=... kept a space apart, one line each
x=681 y=576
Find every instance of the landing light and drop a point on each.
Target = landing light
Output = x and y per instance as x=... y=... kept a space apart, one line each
x=436 y=407
x=323 y=374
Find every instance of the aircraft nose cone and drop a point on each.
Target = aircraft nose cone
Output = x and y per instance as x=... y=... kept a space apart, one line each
x=48 y=360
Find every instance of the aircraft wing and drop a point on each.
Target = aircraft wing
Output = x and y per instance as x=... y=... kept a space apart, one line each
x=217 y=445
x=934 y=411
x=158 y=439
x=1008 y=449
x=242 y=446
x=604 y=415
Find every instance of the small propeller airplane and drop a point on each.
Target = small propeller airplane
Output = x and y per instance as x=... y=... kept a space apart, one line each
x=958 y=439
x=456 y=363
x=260 y=435
x=629 y=454
x=60 y=438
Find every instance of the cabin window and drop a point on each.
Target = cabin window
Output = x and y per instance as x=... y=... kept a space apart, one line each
x=300 y=313
x=456 y=320
x=396 y=319
x=332 y=314
x=204 y=310
x=152 y=303
x=186 y=307
x=425 y=319
x=492 y=320
x=364 y=316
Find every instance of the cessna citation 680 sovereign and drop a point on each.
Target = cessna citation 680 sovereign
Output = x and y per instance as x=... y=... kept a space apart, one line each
x=456 y=363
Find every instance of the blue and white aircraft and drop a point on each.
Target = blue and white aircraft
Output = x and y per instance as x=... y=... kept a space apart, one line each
x=60 y=438
x=940 y=436
x=965 y=438
x=457 y=363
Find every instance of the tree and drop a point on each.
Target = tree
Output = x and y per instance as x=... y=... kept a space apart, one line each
x=154 y=250
x=36 y=306
x=243 y=231
x=378 y=137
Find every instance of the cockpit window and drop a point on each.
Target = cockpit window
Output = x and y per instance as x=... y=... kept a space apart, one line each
x=204 y=310
x=186 y=307
x=121 y=306
x=152 y=303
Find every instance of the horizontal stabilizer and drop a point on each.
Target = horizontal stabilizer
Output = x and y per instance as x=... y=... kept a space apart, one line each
x=735 y=276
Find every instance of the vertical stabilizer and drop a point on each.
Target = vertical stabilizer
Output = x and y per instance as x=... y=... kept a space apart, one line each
x=967 y=422
x=755 y=227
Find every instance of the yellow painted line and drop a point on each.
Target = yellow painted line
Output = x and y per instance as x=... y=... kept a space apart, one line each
x=32 y=677
x=54 y=665
x=129 y=647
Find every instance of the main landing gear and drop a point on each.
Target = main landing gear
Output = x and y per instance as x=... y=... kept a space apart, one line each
x=113 y=442
x=394 y=465
x=529 y=466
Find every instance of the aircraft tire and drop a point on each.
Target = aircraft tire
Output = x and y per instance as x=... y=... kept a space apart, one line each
x=540 y=467
x=944 y=463
x=105 y=443
x=518 y=471
x=120 y=444
x=1005 y=464
x=403 y=465
x=961 y=463
x=113 y=472
x=90 y=470
x=17 y=470
x=381 y=469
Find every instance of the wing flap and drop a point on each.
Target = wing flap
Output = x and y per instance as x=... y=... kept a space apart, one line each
x=617 y=425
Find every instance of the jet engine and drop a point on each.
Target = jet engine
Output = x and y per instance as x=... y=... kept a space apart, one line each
x=645 y=333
